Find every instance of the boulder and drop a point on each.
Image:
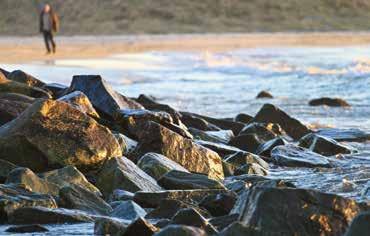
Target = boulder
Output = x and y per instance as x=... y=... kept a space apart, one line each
x=247 y=142
x=157 y=165
x=131 y=121
x=152 y=105
x=153 y=199
x=223 y=124
x=56 y=89
x=4 y=72
x=101 y=94
x=81 y=102
x=272 y=114
x=192 y=217
x=221 y=136
x=360 y=225
x=218 y=204
x=195 y=158
x=26 y=177
x=221 y=222
x=323 y=145
x=5 y=168
x=121 y=173
x=264 y=132
x=13 y=197
x=349 y=135
x=110 y=226
x=331 y=102
x=17 y=97
x=247 y=163
x=181 y=230
x=9 y=110
x=127 y=145
x=26 y=229
x=220 y=148
x=294 y=156
x=121 y=195
x=265 y=148
x=9 y=86
x=76 y=197
x=183 y=180
x=264 y=94
x=168 y=208
x=69 y=176
x=243 y=118
x=290 y=211
x=196 y=122
x=43 y=215
x=128 y=210
x=41 y=138
x=23 y=77
x=140 y=227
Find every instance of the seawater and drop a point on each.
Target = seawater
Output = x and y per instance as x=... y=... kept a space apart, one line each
x=223 y=84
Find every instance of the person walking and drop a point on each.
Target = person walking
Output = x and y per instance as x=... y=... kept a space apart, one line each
x=49 y=25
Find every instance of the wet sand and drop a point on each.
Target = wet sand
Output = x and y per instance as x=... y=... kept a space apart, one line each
x=27 y=49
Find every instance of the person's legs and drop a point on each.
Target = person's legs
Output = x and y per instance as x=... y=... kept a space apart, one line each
x=46 y=39
x=52 y=42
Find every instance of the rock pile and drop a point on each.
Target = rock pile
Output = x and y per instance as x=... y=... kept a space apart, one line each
x=86 y=153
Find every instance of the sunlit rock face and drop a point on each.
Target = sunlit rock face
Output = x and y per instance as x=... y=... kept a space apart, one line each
x=290 y=211
x=81 y=102
x=51 y=134
x=195 y=158
x=23 y=77
x=121 y=173
x=10 y=86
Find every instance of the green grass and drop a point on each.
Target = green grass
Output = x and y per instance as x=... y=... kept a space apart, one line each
x=20 y=17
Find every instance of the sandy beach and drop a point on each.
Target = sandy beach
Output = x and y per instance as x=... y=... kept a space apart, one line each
x=27 y=49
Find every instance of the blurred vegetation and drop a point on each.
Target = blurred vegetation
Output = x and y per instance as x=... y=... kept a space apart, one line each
x=20 y=17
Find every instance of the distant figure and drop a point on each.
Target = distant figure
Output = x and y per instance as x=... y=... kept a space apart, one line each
x=49 y=24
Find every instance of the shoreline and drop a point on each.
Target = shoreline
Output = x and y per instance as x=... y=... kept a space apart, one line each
x=14 y=50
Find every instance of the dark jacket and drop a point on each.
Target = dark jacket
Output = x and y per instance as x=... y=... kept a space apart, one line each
x=54 y=21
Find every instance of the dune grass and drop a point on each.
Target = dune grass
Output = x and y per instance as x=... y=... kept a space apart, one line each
x=20 y=17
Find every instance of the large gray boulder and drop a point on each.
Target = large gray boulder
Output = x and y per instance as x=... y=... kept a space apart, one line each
x=128 y=210
x=22 y=77
x=131 y=121
x=156 y=165
x=10 y=86
x=28 y=178
x=101 y=94
x=13 y=197
x=76 y=197
x=183 y=180
x=41 y=138
x=121 y=173
x=69 y=176
x=195 y=158
x=272 y=114
x=323 y=145
x=294 y=156
x=43 y=215
x=290 y=211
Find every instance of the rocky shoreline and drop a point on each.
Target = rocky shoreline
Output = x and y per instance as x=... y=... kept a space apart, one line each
x=133 y=166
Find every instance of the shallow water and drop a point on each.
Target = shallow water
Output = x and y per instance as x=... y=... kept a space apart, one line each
x=225 y=84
